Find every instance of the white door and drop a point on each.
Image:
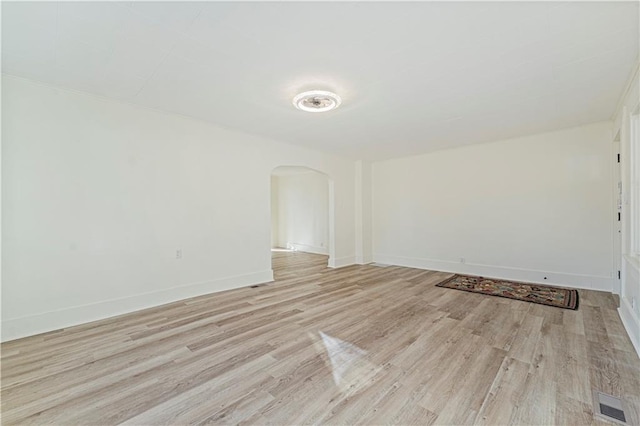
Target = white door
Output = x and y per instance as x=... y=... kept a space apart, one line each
x=617 y=223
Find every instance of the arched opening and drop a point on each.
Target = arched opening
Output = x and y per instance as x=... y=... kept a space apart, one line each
x=302 y=225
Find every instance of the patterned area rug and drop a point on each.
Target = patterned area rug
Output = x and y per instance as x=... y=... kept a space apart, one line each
x=534 y=293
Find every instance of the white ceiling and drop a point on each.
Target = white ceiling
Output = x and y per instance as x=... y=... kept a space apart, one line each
x=414 y=77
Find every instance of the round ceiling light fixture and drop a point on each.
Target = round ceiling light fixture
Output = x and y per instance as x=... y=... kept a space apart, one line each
x=317 y=101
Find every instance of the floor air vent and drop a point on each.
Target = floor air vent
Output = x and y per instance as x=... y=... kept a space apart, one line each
x=380 y=265
x=609 y=408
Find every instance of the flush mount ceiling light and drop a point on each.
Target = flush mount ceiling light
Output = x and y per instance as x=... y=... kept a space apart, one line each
x=317 y=101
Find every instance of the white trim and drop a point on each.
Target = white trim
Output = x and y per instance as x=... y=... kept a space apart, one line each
x=15 y=328
x=633 y=261
x=627 y=87
x=308 y=249
x=342 y=262
x=631 y=323
x=590 y=282
x=634 y=184
x=364 y=260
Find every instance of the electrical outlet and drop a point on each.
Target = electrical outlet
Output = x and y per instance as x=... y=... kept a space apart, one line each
x=633 y=303
x=179 y=254
x=462 y=260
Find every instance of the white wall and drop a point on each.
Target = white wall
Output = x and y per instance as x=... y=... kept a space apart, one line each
x=98 y=195
x=523 y=209
x=630 y=285
x=303 y=211
x=364 y=253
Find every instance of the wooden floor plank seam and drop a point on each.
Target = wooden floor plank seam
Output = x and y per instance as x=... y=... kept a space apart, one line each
x=355 y=345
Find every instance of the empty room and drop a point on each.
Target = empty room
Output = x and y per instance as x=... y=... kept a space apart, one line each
x=287 y=213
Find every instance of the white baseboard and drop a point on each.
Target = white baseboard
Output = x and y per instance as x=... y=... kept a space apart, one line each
x=364 y=260
x=15 y=328
x=308 y=249
x=631 y=322
x=589 y=282
x=342 y=262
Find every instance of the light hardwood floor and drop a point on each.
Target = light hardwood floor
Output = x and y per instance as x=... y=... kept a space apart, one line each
x=361 y=344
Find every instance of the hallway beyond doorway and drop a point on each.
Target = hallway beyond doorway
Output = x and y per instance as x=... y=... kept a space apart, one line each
x=290 y=264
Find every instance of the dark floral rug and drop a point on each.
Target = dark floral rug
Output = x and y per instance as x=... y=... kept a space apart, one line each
x=534 y=293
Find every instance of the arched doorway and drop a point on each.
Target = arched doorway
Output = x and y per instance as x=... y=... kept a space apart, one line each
x=302 y=213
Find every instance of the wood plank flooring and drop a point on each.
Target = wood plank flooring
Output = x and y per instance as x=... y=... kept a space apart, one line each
x=357 y=345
